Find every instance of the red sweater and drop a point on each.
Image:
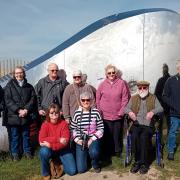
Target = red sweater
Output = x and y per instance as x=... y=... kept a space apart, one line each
x=53 y=132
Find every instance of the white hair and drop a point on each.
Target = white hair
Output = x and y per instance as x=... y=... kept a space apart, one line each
x=77 y=73
x=86 y=95
x=52 y=64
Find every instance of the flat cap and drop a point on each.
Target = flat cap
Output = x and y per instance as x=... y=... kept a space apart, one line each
x=143 y=83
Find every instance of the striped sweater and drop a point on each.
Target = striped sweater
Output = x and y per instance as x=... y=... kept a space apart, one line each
x=89 y=123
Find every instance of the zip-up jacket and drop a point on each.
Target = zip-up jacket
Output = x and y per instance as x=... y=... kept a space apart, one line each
x=171 y=95
x=49 y=92
x=111 y=99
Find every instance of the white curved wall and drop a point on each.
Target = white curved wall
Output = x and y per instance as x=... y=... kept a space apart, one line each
x=4 y=143
x=137 y=45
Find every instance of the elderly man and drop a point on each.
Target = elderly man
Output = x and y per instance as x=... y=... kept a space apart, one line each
x=49 y=89
x=160 y=86
x=71 y=96
x=141 y=109
x=172 y=98
x=159 y=90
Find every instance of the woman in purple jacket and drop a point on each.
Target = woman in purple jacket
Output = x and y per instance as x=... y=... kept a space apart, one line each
x=111 y=99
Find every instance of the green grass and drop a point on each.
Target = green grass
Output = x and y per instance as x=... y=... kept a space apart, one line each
x=171 y=168
x=30 y=169
x=21 y=170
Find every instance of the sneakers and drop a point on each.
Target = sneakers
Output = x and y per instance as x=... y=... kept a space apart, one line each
x=97 y=170
x=28 y=156
x=135 y=168
x=144 y=169
x=15 y=158
x=170 y=156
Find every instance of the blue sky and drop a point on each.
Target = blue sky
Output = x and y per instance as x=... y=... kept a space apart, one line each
x=29 y=29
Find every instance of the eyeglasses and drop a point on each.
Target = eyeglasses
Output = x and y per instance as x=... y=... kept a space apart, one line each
x=18 y=72
x=85 y=100
x=109 y=73
x=55 y=113
x=143 y=87
x=54 y=70
x=76 y=77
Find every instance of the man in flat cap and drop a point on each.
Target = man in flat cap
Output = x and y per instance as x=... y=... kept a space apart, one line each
x=141 y=109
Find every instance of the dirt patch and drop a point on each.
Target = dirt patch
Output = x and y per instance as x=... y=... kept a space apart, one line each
x=99 y=176
x=153 y=174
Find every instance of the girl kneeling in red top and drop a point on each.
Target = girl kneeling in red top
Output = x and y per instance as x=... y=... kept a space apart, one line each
x=54 y=138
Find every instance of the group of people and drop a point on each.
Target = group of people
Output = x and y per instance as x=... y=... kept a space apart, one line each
x=90 y=120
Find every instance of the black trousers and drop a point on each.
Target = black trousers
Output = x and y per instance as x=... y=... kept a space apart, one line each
x=113 y=137
x=141 y=143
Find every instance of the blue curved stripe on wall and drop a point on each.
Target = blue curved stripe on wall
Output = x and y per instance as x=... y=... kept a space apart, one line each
x=88 y=30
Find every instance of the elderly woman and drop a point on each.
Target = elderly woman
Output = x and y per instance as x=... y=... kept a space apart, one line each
x=71 y=96
x=111 y=99
x=20 y=100
x=87 y=128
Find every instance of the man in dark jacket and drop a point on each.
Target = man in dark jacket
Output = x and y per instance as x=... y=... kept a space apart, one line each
x=49 y=89
x=20 y=100
x=160 y=86
x=158 y=92
x=171 y=97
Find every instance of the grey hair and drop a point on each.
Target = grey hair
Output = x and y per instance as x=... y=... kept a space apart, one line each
x=77 y=73
x=84 y=78
x=85 y=95
x=177 y=63
x=119 y=73
x=19 y=67
x=52 y=64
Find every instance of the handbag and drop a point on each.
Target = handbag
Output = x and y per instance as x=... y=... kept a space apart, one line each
x=56 y=168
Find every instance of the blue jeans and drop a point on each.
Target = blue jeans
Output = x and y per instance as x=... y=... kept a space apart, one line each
x=81 y=156
x=174 y=127
x=19 y=134
x=65 y=155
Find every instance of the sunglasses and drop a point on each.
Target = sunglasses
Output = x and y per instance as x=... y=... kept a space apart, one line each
x=142 y=87
x=76 y=77
x=54 y=70
x=85 y=100
x=109 y=73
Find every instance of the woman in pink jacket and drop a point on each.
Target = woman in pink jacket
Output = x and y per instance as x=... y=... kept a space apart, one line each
x=111 y=99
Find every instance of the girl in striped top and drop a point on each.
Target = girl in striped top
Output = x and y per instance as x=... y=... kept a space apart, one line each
x=87 y=128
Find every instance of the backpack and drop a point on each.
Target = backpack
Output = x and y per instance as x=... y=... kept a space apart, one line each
x=56 y=168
